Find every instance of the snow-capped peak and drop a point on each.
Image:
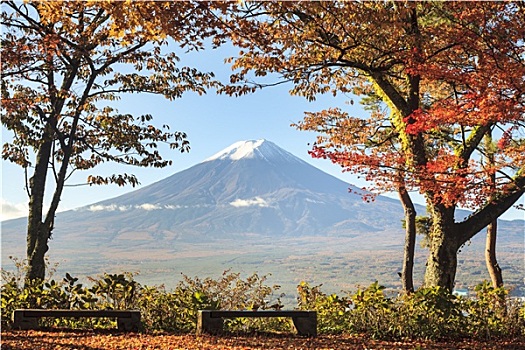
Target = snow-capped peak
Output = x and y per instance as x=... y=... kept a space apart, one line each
x=252 y=149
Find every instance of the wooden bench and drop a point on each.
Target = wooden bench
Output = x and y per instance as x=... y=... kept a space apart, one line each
x=127 y=320
x=211 y=321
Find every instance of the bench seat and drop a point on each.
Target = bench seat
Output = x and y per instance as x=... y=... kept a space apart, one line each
x=211 y=321
x=127 y=320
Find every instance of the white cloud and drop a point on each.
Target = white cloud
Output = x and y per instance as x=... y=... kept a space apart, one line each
x=13 y=210
x=111 y=207
x=147 y=206
x=114 y=207
x=100 y=207
x=257 y=201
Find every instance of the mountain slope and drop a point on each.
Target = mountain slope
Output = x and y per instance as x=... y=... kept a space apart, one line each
x=252 y=187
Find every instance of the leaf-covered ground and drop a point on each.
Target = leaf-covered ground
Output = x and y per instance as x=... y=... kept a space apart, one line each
x=109 y=340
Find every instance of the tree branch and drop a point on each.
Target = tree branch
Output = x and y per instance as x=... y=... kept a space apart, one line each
x=475 y=223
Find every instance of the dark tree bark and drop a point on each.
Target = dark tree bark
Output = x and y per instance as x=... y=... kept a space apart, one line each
x=37 y=234
x=407 y=274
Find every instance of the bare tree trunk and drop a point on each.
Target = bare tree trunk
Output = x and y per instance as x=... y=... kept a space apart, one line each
x=407 y=278
x=443 y=247
x=490 y=256
x=492 y=229
x=37 y=233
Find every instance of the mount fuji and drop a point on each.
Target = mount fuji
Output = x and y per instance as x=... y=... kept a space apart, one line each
x=250 y=188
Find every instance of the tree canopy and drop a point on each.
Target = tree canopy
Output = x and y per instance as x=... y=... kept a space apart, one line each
x=63 y=64
x=437 y=79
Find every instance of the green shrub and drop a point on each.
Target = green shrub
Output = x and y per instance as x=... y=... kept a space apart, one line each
x=372 y=311
x=230 y=292
x=16 y=295
x=491 y=314
x=119 y=292
x=160 y=309
x=332 y=311
x=428 y=313
x=50 y=294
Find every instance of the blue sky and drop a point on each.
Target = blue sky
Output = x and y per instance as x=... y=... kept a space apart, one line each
x=212 y=123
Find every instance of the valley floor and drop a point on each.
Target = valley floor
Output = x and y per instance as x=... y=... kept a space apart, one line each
x=110 y=340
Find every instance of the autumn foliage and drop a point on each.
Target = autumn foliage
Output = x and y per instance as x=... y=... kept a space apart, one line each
x=437 y=79
x=441 y=75
x=63 y=66
x=111 y=340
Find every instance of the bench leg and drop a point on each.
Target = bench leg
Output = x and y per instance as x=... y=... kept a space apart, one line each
x=22 y=322
x=129 y=324
x=207 y=324
x=306 y=326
